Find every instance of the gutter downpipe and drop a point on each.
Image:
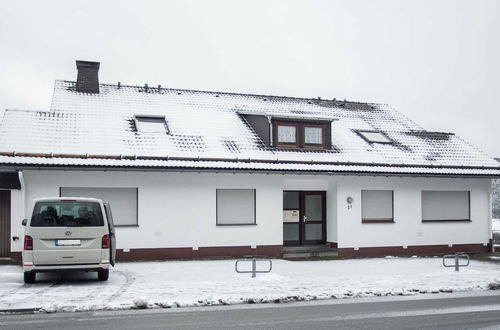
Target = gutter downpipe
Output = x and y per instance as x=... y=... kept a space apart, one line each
x=490 y=216
x=270 y=130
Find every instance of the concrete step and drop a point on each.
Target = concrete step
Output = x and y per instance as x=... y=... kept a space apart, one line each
x=309 y=251
x=307 y=248
x=8 y=261
x=303 y=255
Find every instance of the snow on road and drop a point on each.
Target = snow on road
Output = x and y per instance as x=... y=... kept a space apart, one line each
x=195 y=283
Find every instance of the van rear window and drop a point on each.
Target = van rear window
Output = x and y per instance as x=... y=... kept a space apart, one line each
x=67 y=213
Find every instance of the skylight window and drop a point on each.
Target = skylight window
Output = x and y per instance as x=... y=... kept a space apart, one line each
x=151 y=124
x=374 y=136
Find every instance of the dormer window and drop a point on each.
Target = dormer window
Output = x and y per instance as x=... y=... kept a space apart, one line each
x=287 y=134
x=374 y=137
x=314 y=135
x=296 y=134
x=151 y=124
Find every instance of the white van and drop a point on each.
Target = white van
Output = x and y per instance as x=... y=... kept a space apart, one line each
x=68 y=233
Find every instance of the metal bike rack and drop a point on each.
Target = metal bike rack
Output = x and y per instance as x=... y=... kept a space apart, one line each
x=254 y=270
x=457 y=263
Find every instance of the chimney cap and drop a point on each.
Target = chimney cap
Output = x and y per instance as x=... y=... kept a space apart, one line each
x=87 y=64
x=87 y=80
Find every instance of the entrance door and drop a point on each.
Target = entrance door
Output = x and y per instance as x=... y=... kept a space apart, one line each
x=4 y=223
x=304 y=217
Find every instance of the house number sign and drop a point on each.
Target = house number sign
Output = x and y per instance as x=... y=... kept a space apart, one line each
x=349 y=202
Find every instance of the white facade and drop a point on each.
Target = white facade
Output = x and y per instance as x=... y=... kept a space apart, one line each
x=178 y=209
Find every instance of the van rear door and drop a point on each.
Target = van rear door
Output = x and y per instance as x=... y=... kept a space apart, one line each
x=112 y=235
x=66 y=232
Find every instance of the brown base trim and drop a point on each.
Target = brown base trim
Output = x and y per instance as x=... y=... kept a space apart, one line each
x=16 y=255
x=380 y=251
x=333 y=245
x=202 y=252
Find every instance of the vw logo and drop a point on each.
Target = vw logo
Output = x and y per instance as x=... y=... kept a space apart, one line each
x=67 y=233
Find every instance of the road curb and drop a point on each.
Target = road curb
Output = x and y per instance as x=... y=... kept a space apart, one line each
x=20 y=311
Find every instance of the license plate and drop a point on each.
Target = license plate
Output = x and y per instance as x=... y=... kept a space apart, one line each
x=66 y=242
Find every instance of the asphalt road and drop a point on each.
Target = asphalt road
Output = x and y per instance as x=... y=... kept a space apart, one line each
x=466 y=312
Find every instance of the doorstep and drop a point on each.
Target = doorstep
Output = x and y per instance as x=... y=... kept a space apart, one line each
x=321 y=251
x=9 y=261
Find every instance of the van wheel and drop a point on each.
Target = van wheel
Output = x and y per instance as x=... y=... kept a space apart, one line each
x=102 y=275
x=29 y=277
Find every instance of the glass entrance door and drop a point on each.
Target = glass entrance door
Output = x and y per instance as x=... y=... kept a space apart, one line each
x=304 y=217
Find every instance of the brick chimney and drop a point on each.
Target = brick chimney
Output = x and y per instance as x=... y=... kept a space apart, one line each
x=87 y=80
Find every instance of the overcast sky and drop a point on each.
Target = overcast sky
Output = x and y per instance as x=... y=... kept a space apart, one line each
x=436 y=61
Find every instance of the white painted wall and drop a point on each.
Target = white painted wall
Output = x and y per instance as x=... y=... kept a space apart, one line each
x=178 y=209
x=318 y=183
x=16 y=216
x=408 y=228
x=331 y=212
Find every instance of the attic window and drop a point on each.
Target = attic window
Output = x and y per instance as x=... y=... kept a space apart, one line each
x=287 y=134
x=374 y=137
x=301 y=134
x=151 y=124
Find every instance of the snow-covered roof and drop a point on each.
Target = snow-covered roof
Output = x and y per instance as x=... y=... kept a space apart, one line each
x=208 y=130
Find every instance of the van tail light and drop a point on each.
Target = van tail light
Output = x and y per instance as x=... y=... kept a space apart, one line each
x=28 y=242
x=105 y=242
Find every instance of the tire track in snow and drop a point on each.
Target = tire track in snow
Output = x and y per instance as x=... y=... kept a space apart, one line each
x=128 y=282
x=24 y=286
x=32 y=294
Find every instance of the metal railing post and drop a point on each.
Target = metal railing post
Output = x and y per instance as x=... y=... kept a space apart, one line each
x=456 y=258
x=254 y=270
x=254 y=267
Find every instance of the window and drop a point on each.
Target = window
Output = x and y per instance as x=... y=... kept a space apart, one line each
x=151 y=124
x=377 y=206
x=445 y=206
x=67 y=214
x=287 y=134
x=302 y=135
x=313 y=135
x=374 y=137
x=235 y=206
x=123 y=201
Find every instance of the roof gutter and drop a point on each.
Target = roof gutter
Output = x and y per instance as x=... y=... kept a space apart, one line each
x=240 y=160
x=234 y=171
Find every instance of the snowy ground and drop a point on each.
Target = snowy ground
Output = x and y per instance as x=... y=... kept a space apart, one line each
x=196 y=283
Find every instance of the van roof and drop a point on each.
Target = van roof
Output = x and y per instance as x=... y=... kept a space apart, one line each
x=78 y=199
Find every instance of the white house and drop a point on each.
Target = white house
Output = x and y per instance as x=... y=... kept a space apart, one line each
x=199 y=174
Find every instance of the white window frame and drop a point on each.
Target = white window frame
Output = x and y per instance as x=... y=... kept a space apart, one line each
x=463 y=219
x=151 y=118
x=218 y=212
x=365 y=219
